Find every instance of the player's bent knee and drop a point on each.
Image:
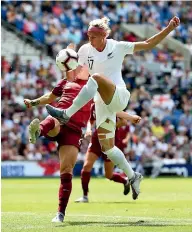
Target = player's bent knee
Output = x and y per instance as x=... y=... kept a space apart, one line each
x=106 y=144
x=55 y=131
x=96 y=76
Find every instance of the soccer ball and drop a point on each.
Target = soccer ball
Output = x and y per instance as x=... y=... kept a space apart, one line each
x=67 y=59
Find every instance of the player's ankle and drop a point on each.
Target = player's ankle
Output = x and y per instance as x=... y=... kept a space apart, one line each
x=132 y=178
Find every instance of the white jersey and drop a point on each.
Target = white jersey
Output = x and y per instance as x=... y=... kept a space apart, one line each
x=109 y=61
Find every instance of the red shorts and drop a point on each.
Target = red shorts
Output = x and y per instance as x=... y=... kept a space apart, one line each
x=67 y=136
x=95 y=147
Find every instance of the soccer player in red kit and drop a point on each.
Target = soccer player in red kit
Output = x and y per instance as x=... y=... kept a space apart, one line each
x=122 y=135
x=67 y=136
x=94 y=152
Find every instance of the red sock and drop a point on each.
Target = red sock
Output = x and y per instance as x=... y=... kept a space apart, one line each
x=85 y=178
x=64 y=191
x=47 y=125
x=118 y=178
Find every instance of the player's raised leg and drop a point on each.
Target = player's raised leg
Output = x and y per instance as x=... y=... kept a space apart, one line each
x=90 y=159
x=68 y=156
x=96 y=82
x=49 y=126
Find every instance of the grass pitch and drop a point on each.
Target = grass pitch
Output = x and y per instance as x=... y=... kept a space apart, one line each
x=165 y=204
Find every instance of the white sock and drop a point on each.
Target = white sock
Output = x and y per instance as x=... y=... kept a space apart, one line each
x=118 y=158
x=85 y=95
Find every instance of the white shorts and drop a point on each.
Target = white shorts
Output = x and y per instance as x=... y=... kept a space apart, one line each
x=119 y=103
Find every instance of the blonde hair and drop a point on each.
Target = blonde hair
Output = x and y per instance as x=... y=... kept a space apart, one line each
x=102 y=23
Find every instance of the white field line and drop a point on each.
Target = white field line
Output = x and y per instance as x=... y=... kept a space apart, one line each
x=100 y=216
x=19 y=228
x=140 y=221
x=98 y=224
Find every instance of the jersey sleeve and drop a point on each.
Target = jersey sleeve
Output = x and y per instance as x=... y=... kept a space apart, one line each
x=58 y=89
x=82 y=55
x=126 y=47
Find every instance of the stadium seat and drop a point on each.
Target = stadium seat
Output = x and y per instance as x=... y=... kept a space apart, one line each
x=19 y=24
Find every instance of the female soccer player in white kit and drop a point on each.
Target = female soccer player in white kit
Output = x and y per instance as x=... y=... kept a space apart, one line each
x=104 y=58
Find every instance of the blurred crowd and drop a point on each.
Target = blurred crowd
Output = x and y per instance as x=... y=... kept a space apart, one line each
x=165 y=130
x=163 y=99
x=56 y=23
x=19 y=81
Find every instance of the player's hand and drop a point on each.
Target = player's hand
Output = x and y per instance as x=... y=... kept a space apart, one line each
x=27 y=103
x=71 y=46
x=125 y=141
x=174 y=22
x=135 y=119
x=88 y=134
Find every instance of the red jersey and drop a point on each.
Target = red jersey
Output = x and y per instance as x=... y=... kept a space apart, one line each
x=121 y=134
x=122 y=131
x=67 y=91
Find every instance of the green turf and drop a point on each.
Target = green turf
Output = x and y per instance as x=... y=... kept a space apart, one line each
x=165 y=204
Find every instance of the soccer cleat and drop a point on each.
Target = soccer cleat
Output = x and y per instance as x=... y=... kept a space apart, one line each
x=135 y=184
x=59 y=114
x=34 y=130
x=126 y=187
x=58 y=218
x=83 y=199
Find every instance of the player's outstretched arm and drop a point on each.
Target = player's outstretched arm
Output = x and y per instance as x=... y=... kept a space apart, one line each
x=156 y=39
x=132 y=118
x=45 y=99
